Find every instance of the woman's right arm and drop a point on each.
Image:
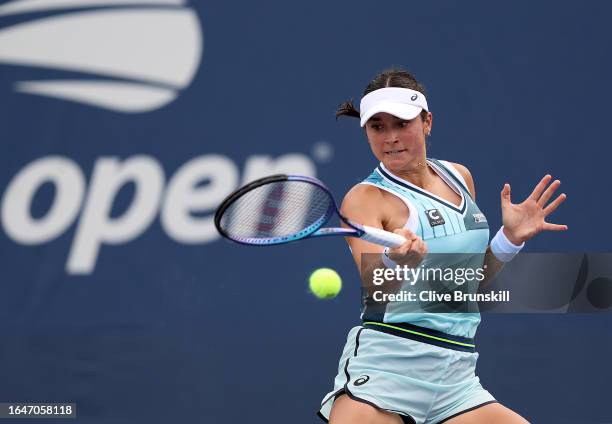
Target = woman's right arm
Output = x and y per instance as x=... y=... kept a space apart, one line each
x=367 y=205
x=363 y=204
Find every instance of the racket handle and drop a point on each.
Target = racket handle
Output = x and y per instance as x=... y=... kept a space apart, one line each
x=382 y=237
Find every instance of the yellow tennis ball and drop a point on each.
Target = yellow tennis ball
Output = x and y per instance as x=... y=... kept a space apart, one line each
x=325 y=283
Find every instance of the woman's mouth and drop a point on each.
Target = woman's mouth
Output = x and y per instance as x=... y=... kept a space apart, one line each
x=394 y=152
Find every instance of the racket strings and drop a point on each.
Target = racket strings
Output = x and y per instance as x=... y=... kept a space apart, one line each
x=276 y=210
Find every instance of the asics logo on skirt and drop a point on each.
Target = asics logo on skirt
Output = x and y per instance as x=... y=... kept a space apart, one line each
x=362 y=380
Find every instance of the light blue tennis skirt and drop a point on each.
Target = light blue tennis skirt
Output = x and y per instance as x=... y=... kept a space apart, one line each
x=423 y=383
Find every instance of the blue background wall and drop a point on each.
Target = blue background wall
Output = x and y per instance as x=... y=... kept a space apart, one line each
x=166 y=331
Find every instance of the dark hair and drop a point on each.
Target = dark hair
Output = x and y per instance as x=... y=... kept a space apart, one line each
x=393 y=77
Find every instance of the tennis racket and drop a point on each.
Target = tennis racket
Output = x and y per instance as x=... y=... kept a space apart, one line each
x=284 y=208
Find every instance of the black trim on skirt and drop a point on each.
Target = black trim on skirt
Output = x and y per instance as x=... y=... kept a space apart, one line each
x=406 y=418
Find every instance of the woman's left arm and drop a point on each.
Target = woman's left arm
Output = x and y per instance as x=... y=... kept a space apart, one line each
x=520 y=221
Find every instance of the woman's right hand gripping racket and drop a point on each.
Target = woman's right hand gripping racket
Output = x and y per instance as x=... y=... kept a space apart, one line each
x=284 y=208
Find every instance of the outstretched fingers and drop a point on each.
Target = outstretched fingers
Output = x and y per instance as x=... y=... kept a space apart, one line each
x=548 y=193
x=554 y=227
x=505 y=194
x=539 y=189
x=554 y=204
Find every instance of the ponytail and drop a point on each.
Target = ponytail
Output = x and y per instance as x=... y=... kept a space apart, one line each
x=347 y=109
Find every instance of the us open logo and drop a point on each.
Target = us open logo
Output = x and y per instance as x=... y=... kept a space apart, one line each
x=134 y=59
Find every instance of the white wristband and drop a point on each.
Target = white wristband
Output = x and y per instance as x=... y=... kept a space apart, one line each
x=386 y=260
x=502 y=248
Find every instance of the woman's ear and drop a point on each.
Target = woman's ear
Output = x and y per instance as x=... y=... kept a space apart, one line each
x=427 y=123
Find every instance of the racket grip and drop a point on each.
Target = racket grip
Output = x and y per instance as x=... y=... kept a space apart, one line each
x=382 y=237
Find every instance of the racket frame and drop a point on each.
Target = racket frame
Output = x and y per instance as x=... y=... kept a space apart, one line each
x=313 y=230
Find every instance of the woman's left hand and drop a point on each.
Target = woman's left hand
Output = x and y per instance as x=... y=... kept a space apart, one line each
x=524 y=220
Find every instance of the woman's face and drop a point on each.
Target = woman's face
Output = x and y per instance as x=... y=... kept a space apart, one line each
x=399 y=144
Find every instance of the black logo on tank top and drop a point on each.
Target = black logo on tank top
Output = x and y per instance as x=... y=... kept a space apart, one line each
x=434 y=217
x=362 y=380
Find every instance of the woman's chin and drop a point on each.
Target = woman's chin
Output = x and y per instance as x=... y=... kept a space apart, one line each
x=396 y=161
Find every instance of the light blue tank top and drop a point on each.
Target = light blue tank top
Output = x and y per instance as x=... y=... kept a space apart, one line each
x=445 y=228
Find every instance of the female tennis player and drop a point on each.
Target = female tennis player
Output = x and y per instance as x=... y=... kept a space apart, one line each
x=420 y=367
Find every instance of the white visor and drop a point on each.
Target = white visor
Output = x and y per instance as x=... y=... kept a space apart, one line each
x=401 y=102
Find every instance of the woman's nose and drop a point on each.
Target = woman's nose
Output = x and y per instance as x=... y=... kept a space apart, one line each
x=392 y=136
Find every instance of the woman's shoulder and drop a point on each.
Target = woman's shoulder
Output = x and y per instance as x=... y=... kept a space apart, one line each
x=365 y=203
x=363 y=192
x=462 y=172
x=454 y=166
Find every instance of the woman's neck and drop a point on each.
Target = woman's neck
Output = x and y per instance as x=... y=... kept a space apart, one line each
x=418 y=174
